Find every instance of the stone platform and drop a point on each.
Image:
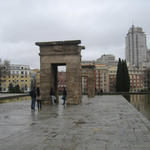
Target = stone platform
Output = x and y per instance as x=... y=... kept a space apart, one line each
x=100 y=123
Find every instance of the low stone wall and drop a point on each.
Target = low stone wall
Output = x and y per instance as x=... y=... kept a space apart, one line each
x=10 y=95
x=122 y=93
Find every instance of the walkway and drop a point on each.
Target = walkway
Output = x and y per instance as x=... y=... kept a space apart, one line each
x=100 y=123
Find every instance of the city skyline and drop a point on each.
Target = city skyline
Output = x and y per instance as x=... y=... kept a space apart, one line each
x=100 y=25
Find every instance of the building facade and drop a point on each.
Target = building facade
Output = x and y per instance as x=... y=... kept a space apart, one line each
x=148 y=55
x=35 y=78
x=84 y=84
x=136 y=79
x=105 y=79
x=61 y=81
x=136 y=48
x=102 y=78
x=18 y=75
x=112 y=78
x=107 y=59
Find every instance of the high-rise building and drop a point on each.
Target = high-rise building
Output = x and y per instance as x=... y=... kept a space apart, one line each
x=148 y=55
x=136 y=48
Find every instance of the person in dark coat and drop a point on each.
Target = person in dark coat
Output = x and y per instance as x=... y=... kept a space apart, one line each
x=33 y=98
x=39 y=105
x=64 y=95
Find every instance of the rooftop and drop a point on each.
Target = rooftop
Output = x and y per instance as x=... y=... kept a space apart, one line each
x=70 y=42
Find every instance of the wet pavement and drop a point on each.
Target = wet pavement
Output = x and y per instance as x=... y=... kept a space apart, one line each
x=100 y=123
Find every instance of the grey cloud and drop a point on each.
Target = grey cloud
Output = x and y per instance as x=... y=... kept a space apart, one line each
x=101 y=25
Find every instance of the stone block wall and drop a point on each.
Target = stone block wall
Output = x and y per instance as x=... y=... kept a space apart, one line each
x=53 y=54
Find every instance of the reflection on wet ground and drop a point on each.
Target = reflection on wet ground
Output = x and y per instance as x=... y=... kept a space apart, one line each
x=100 y=123
x=141 y=102
x=17 y=99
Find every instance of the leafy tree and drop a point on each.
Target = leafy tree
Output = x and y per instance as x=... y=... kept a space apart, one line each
x=126 y=77
x=14 y=89
x=147 y=78
x=11 y=88
x=17 y=89
x=122 y=77
x=118 y=77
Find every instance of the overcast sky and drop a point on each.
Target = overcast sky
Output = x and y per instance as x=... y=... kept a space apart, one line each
x=101 y=25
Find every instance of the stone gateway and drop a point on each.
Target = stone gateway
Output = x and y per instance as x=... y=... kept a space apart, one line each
x=57 y=53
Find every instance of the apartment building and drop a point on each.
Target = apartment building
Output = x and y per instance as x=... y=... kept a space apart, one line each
x=136 y=47
x=102 y=80
x=18 y=75
x=105 y=79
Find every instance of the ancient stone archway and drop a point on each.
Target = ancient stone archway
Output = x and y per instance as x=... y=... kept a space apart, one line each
x=88 y=71
x=53 y=54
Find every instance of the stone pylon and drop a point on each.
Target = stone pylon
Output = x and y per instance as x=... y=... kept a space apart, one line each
x=54 y=54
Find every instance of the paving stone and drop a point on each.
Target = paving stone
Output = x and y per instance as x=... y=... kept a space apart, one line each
x=100 y=123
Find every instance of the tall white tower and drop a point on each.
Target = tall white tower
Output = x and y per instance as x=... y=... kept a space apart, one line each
x=136 y=48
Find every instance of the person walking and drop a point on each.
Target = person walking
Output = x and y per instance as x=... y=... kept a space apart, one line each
x=33 y=98
x=52 y=96
x=64 y=95
x=39 y=105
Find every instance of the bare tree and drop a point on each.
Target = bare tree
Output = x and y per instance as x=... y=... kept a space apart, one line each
x=6 y=67
x=4 y=70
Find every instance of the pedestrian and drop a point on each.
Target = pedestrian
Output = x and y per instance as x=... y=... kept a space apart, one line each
x=64 y=96
x=39 y=105
x=101 y=92
x=33 y=98
x=52 y=96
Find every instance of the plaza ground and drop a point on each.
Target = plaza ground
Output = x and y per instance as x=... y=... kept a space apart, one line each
x=99 y=123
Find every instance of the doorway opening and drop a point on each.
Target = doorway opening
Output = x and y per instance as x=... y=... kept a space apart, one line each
x=84 y=85
x=58 y=79
x=61 y=79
